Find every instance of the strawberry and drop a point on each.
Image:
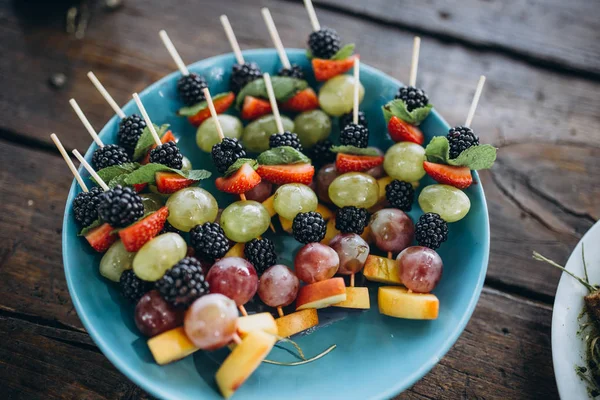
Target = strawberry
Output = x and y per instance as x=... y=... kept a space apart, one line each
x=254 y=107
x=304 y=100
x=459 y=177
x=401 y=131
x=138 y=187
x=221 y=105
x=291 y=173
x=101 y=238
x=170 y=182
x=327 y=69
x=136 y=235
x=167 y=137
x=356 y=163
x=241 y=181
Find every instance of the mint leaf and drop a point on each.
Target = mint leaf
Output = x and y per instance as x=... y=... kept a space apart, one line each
x=196 y=108
x=476 y=157
x=369 y=151
x=282 y=155
x=344 y=52
x=284 y=88
x=146 y=174
x=109 y=173
x=146 y=140
x=194 y=174
x=309 y=54
x=238 y=164
x=398 y=108
x=438 y=150
x=90 y=227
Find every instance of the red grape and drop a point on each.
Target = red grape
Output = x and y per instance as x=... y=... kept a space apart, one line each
x=278 y=286
x=234 y=277
x=211 y=321
x=420 y=268
x=392 y=230
x=153 y=315
x=316 y=262
x=260 y=192
x=352 y=250
x=325 y=176
x=378 y=171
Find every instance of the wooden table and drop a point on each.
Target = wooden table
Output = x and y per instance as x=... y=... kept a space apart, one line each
x=541 y=107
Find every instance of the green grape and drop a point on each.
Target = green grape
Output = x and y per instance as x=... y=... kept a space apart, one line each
x=190 y=207
x=115 y=261
x=450 y=203
x=336 y=96
x=152 y=202
x=186 y=164
x=256 y=134
x=312 y=127
x=404 y=161
x=243 y=221
x=294 y=198
x=207 y=135
x=354 y=189
x=158 y=255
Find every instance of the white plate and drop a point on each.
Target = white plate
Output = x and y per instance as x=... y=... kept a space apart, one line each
x=568 y=348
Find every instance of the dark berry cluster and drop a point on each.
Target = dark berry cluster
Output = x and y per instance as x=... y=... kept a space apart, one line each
x=167 y=227
x=167 y=154
x=286 y=138
x=226 y=153
x=190 y=89
x=324 y=43
x=132 y=287
x=120 y=206
x=85 y=206
x=130 y=130
x=109 y=155
x=431 y=230
x=351 y=219
x=321 y=154
x=355 y=135
x=400 y=194
x=183 y=283
x=461 y=138
x=293 y=72
x=242 y=74
x=209 y=241
x=309 y=227
x=261 y=254
x=413 y=97
x=346 y=120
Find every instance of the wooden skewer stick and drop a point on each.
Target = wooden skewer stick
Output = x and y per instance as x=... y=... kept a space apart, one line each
x=69 y=162
x=173 y=52
x=275 y=38
x=86 y=123
x=390 y=255
x=236 y=339
x=213 y=113
x=111 y=102
x=243 y=197
x=475 y=101
x=412 y=81
x=356 y=89
x=89 y=169
x=280 y=311
x=312 y=15
x=147 y=119
x=232 y=40
x=352 y=280
x=243 y=310
x=273 y=102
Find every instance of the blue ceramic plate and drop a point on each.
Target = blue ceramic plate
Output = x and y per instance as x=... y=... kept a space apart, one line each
x=376 y=356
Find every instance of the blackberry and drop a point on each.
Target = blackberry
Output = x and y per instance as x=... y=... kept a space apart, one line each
x=413 y=97
x=400 y=194
x=167 y=154
x=242 y=74
x=261 y=254
x=85 y=206
x=209 y=241
x=431 y=230
x=355 y=135
x=190 y=89
x=286 y=138
x=120 y=206
x=324 y=43
x=346 y=119
x=169 y=228
x=226 y=153
x=293 y=72
x=132 y=287
x=130 y=130
x=309 y=227
x=460 y=139
x=109 y=155
x=351 y=219
x=321 y=154
x=183 y=283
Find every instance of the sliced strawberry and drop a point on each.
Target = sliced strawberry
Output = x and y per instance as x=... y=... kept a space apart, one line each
x=170 y=182
x=239 y=182
x=167 y=137
x=138 y=187
x=401 y=131
x=304 y=100
x=356 y=163
x=254 y=107
x=221 y=105
x=136 y=235
x=101 y=238
x=327 y=69
x=291 y=173
x=459 y=177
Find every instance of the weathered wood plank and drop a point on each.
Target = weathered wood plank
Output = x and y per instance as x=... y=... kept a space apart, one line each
x=559 y=34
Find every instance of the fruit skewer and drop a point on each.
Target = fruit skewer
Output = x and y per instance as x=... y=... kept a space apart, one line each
x=69 y=162
x=91 y=170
